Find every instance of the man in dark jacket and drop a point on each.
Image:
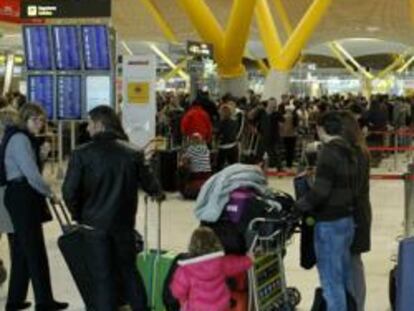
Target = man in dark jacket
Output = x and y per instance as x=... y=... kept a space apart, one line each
x=332 y=201
x=269 y=119
x=101 y=190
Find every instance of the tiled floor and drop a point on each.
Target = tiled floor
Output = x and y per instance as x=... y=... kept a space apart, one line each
x=178 y=223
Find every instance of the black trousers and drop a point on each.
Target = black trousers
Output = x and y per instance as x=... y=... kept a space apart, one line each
x=112 y=261
x=227 y=156
x=273 y=152
x=29 y=260
x=290 y=149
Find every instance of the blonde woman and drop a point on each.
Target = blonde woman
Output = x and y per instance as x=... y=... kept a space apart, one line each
x=26 y=190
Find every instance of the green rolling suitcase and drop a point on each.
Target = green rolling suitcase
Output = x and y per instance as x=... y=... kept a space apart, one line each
x=154 y=264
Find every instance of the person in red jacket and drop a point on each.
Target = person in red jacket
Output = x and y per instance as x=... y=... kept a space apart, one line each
x=197 y=120
x=199 y=283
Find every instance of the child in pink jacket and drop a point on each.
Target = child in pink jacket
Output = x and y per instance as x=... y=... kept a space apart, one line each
x=199 y=283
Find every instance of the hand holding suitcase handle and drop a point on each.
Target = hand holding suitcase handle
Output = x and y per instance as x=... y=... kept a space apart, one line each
x=63 y=215
x=59 y=209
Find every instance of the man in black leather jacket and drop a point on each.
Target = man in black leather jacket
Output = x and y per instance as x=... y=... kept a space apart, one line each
x=101 y=191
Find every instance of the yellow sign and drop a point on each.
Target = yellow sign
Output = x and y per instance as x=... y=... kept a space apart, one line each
x=138 y=92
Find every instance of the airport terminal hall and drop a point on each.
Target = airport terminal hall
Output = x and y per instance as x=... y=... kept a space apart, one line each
x=207 y=155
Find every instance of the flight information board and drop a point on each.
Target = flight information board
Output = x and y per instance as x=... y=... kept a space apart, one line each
x=40 y=89
x=69 y=97
x=98 y=91
x=66 y=47
x=96 y=48
x=37 y=48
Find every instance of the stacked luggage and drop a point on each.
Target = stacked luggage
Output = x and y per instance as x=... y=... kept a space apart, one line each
x=260 y=225
x=259 y=222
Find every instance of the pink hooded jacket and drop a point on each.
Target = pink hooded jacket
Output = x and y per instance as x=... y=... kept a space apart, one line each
x=200 y=283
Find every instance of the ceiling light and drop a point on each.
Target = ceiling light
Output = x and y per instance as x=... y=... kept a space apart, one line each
x=372 y=29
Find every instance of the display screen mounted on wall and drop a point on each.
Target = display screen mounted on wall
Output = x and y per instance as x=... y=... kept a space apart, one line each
x=66 y=47
x=98 y=91
x=65 y=8
x=37 y=48
x=69 y=97
x=96 y=50
x=40 y=89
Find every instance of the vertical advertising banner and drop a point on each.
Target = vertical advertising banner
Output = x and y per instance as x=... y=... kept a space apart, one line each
x=138 y=91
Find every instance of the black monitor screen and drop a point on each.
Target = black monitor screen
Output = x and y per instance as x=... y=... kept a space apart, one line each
x=96 y=47
x=67 y=47
x=69 y=97
x=40 y=90
x=37 y=48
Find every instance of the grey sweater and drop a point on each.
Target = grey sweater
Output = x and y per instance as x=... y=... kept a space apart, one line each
x=20 y=161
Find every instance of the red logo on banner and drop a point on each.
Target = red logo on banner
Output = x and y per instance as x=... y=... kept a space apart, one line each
x=10 y=12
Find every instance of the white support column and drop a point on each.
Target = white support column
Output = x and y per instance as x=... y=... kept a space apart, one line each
x=276 y=84
x=236 y=86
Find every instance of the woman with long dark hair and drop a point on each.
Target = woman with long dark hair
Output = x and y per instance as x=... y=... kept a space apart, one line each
x=332 y=202
x=362 y=211
x=26 y=190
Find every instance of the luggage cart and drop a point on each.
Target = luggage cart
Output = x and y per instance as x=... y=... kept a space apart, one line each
x=268 y=289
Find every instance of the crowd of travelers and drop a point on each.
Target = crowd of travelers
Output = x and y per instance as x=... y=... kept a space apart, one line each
x=276 y=127
x=103 y=175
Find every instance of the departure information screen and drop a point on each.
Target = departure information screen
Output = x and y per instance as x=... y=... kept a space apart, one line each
x=67 y=47
x=96 y=47
x=40 y=89
x=37 y=48
x=98 y=91
x=69 y=97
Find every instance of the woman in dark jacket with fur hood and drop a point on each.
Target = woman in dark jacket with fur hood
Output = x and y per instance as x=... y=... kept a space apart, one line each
x=341 y=209
x=363 y=211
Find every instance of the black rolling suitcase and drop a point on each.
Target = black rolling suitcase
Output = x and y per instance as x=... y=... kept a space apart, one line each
x=73 y=248
x=166 y=167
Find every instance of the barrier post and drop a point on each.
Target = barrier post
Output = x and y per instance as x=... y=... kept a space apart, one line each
x=72 y=135
x=60 y=151
x=396 y=151
x=409 y=201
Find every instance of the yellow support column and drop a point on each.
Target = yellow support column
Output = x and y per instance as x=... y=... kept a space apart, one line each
x=412 y=11
x=237 y=33
x=396 y=64
x=287 y=25
x=176 y=71
x=335 y=45
x=301 y=35
x=168 y=61
x=268 y=32
x=206 y=25
x=406 y=65
x=162 y=23
x=259 y=62
x=342 y=60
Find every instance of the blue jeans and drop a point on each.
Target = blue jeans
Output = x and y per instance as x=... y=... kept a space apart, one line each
x=333 y=241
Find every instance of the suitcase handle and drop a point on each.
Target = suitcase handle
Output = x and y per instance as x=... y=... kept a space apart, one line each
x=62 y=215
x=146 y=246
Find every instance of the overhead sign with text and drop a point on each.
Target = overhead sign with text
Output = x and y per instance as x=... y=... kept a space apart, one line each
x=65 y=8
x=139 y=110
